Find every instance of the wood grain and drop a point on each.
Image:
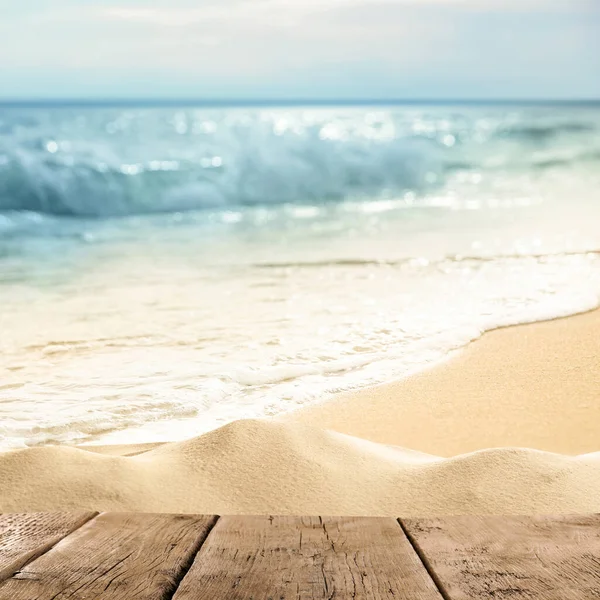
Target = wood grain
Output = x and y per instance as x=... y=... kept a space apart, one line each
x=550 y=558
x=114 y=557
x=24 y=537
x=301 y=558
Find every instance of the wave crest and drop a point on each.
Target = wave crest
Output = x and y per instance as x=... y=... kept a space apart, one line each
x=256 y=170
x=99 y=163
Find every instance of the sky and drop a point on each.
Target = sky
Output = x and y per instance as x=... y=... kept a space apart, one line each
x=299 y=49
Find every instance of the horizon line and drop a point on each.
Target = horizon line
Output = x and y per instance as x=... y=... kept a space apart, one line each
x=257 y=102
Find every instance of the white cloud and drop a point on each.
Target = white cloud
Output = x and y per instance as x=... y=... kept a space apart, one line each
x=183 y=14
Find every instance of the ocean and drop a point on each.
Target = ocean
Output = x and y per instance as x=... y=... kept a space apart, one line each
x=166 y=270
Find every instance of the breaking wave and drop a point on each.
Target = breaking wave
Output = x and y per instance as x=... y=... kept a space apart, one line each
x=102 y=163
x=539 y=132
x=260 y=169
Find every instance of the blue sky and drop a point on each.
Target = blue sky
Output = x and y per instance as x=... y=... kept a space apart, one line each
x=300 y=48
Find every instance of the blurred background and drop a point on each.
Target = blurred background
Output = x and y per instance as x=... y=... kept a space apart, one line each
x=211 y=211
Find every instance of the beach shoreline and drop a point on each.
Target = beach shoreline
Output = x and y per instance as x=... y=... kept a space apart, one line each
x=535 y=385
x=517 y=411
x=353 y=413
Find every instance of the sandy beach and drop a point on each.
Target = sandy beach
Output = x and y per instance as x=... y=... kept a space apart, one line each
x=530 y=386
x=508 y=425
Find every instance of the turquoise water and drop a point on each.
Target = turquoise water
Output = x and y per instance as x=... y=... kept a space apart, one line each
x=166 y=270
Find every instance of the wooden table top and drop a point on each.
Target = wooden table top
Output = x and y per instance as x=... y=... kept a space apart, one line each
x=129 y=556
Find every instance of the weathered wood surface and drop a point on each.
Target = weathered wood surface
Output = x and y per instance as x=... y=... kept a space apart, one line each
x=285 y=558
x=188 y=557
x=550 y=558
x=25 y=537
x=114 y=557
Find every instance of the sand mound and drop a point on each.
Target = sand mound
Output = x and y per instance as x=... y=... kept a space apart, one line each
x=284 y=468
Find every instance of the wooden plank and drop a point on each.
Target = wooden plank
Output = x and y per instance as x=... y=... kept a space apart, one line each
x=24 y=537
x=280 y=558
x=114 y=557
x=551 y=558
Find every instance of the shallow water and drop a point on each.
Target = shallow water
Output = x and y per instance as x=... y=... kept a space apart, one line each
x=164 y=271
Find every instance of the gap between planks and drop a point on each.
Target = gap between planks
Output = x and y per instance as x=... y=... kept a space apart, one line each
x=428 y=566
x=192 y=558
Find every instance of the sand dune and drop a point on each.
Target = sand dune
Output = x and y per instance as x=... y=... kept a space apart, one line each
x=288 y=468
